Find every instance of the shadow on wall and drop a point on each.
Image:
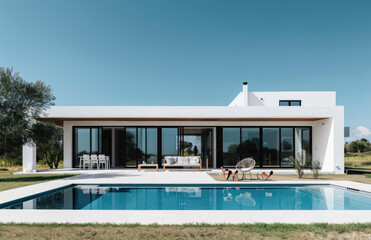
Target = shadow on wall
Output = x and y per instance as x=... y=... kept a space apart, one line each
x=254 y=100
x=321 y=135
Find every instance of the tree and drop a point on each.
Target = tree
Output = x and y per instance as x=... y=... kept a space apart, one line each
x=20 y=103
x=195 y=150
x=361 y=147
x=353 y=146
x=186 y=147
x=49 y=141
x=364 y=140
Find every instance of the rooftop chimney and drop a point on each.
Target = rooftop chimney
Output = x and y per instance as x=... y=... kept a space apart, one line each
x=245 y=97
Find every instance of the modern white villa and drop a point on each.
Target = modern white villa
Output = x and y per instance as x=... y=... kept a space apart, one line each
x=267 y=126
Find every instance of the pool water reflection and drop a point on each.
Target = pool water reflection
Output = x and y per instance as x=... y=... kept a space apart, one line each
x=172 y=197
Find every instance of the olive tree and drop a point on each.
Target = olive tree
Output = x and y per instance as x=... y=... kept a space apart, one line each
x=20 y=103
x=49 y=142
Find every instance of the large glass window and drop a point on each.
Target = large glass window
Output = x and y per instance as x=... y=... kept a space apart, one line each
x=250 y=143
x=231 y=146
x=151 y=150
x=287 y=146
x=87 y=140
x=170 y=140
x=131 y=146
x=271 y=147
x=142 y=145
x=96 y=135
x=268 y=146
x=302 y=142
x=82 y=142
x=119 y=160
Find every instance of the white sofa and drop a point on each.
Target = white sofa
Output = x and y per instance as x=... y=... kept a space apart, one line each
x=179 y=161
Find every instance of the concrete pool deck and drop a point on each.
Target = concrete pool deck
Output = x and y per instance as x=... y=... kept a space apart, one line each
x=169 y=216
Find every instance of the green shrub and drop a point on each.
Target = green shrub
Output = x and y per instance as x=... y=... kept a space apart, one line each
x=316 y=167
x=300 y=162
x=11 y=162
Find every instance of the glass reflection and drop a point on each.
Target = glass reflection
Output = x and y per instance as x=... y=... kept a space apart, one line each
x=271 y=147
x=231 y=144
x=250 y=146
x=287 y=146
x=151 y=145
x=170 y=141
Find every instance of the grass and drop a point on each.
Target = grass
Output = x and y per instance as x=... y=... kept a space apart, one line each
x=240 y=231
x=10 y=181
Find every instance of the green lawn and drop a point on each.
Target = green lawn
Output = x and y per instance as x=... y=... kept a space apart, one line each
x=9 y=181
x=241 y=231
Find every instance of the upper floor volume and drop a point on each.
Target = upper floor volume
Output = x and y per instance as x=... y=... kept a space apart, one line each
x=274 y=99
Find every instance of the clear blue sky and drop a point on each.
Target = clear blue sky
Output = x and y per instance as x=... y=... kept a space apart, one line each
x=191 y=52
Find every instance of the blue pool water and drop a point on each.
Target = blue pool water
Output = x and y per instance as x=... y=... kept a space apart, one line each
x=198 y=197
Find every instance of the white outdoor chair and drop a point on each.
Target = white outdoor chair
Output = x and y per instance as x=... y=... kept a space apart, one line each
x=81 y=158
x=94 y=160
x=102 y=160
x=245 y=166
x=86 y=160
x=108 y=162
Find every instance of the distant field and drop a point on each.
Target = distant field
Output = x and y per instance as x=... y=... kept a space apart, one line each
x=357 y=160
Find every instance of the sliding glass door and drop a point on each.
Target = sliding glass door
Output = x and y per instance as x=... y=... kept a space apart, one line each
x=271 y=147
x=287 y=146
x=250 y=144
x=151 y=146
x=141 y=146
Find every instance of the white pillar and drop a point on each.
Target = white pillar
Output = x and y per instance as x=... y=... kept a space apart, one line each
x=29 y=158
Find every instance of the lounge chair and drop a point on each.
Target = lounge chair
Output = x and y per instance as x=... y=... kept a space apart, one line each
x=244 y=166
x=226 y=173
x=264 y=176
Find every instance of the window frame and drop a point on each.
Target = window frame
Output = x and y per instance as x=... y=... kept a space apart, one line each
x=290 y=103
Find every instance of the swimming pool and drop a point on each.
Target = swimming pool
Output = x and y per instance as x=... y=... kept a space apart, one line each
x=197 y=197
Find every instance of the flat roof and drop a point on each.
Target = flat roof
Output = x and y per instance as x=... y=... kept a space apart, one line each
x=59 y=114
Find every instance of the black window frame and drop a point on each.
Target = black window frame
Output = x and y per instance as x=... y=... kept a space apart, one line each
x=220 y=160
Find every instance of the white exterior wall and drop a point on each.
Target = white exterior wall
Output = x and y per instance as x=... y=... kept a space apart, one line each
x=327 y=134
x=339 y=140
x=272 y=99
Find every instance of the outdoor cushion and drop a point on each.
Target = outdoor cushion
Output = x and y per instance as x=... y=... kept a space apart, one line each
x=194 y=160
x=169 y=160
x=183 y=161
